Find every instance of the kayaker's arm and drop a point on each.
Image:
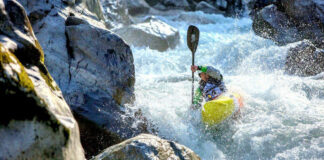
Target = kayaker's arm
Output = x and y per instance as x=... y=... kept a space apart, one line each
x=198 y=98
x=211 y=71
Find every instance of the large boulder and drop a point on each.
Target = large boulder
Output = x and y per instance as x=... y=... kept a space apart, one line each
x=100 y=61
x=274 y=24
x=305 y=60
x=94 y=69
x=100 y=77
x=37 y=121
x=306 y=16
x=147 y=146
x=153 y=33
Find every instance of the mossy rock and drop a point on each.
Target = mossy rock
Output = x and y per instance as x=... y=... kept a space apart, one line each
x=19 y=79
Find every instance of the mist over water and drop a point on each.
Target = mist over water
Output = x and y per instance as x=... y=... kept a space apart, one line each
x=282 y=117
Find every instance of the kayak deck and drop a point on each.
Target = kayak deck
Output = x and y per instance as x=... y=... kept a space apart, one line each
x=217 y=110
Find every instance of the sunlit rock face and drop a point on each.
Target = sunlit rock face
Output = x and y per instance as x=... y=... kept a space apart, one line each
x=37 y=122
x=100 y=77
x=152 y=33
x=305 y=60
x=147 y=146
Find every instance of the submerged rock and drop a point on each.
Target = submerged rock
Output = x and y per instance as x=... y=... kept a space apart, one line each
x=37 y=122
x=153 y=33
x=147 y=146
x=305 y=60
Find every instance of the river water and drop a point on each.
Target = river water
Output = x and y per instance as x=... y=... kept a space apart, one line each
x=283 y=116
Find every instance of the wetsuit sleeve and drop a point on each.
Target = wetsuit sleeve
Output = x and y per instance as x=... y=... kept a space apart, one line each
x=198 y=97
x=211 y=71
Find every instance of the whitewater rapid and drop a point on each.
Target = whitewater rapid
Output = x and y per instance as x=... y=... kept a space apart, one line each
x=283 y=117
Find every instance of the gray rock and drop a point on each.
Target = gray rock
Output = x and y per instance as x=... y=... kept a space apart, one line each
x=147 y=146
x=69 y=2
x=101 y=62
x=273 y=24
x=306 y=16
x=72 y=21
x=153 y=2
x=176 y=4
x=256 y=5
x=92 y=9
x=259 y=4
x=116 y=13
x=319 y=10
x=153 y=33
x=100 y=80
x=207 y=8
x=234 y=8
x=305 y=60
x=94 y=6
x=300 y=10
x=35 y=5
x=137 y=7
x=37 y=122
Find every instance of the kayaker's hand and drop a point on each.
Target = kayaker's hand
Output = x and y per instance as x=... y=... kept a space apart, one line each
x=194 y=68
x=195 y=106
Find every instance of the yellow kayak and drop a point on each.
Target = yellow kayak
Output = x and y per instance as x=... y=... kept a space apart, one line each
x=219 y=109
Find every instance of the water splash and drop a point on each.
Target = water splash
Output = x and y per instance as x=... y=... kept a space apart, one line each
x=283 y=115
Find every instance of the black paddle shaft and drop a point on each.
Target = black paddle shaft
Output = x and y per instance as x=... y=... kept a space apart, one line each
x=192 y=42
x=193 y=79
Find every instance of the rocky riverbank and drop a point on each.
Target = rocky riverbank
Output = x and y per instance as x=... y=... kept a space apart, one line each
x=94 y=71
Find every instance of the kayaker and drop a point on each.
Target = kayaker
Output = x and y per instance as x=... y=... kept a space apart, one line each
x=211 y=84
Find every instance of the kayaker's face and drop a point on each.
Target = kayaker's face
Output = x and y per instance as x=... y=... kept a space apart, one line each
x=204 y=76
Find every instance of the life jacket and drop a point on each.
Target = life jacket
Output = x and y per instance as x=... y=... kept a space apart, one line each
x=212 y=88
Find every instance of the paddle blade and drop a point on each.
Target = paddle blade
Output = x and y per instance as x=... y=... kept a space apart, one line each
x=192 y=38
